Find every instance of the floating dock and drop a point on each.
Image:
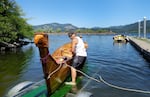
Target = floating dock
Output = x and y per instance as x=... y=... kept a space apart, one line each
x=142 y=45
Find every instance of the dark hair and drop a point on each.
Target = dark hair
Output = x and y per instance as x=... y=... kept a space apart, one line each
x=70 y=34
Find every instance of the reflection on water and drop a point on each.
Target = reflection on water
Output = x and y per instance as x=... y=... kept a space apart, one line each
x=121 y=65
x=119 y=43
x=118 y=63
x=12 y=65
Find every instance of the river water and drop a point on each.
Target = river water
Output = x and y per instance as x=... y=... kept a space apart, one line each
x=119 y=64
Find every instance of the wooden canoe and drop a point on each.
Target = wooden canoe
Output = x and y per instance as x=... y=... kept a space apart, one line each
x=55 y=71
x=54 y=65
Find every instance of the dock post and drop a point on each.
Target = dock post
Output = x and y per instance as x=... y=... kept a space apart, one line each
x=139 y=28
x=144 y=27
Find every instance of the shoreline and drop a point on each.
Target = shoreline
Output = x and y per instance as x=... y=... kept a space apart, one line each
x=62 y=33
x=12 y=46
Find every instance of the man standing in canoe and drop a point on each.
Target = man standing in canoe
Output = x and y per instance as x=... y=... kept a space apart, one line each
x=79 y=58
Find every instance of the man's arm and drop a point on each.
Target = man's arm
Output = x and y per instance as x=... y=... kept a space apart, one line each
x=73 y=44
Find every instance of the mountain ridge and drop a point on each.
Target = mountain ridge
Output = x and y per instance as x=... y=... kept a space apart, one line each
x=57 y=27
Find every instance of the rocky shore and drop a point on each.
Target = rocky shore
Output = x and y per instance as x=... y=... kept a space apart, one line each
x=4 y=46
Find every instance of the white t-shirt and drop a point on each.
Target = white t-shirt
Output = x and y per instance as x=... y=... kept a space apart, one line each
x=80 y=48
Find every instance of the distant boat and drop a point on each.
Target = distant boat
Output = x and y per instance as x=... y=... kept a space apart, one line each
x=55 y=71
x=120 y=38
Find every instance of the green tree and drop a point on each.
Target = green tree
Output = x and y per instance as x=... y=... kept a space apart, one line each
x=58 y=30
x=12 y=24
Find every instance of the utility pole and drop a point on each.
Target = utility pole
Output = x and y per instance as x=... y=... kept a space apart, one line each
x=144 y=27
x=139 y=28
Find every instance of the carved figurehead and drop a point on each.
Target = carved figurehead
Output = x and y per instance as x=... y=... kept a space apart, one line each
x=41 y=39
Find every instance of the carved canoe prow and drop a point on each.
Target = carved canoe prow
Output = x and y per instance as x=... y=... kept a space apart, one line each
x=54 y=68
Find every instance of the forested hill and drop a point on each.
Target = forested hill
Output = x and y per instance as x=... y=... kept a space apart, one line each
x=130 y=27
x=56 y=27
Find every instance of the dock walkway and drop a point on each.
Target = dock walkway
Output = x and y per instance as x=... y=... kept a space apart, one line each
x=141 y=44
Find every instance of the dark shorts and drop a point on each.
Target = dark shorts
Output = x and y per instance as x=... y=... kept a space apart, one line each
x=78 y=62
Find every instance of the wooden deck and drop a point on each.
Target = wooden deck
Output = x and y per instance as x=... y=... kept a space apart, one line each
x=142 y=45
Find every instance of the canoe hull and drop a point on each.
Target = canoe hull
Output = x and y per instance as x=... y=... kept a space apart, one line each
x=63 y=70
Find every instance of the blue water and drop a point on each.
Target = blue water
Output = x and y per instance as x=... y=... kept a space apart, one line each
x=118 y=63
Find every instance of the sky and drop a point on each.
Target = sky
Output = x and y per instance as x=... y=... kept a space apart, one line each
x=85 y=13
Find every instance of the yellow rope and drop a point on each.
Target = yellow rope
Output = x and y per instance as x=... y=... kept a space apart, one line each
x=111 y=85
x=102 y=80
x=54 y=71
x=122 y=88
